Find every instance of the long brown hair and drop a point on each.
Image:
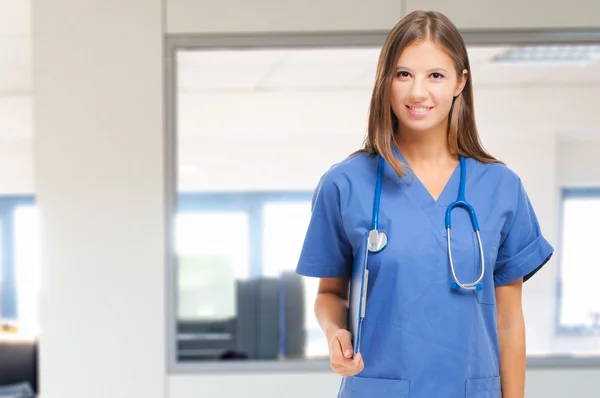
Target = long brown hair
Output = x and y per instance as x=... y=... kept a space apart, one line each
x=463 y=137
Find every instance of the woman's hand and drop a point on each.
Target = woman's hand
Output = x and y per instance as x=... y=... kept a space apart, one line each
x=340 y=354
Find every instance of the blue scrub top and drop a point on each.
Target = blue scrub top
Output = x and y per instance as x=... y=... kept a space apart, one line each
x=420 y=338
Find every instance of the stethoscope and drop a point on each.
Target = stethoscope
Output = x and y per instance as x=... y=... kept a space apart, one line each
x=378 y=239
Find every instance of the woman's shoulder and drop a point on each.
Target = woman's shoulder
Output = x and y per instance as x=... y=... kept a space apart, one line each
x=496 y=172
x=496 y=186
x=349 y=170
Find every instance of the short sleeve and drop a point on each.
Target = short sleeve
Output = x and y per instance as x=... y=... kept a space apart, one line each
x=326 y=251
x=524 y=250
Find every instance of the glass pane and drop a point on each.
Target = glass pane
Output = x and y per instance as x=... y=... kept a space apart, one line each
x=212 y=258
x=27 y=268
x=580 y=273
x=213 y=253
x=284 y=227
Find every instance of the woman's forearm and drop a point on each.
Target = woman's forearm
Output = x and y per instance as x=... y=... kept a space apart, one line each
x=331 y=312
x=511 y=335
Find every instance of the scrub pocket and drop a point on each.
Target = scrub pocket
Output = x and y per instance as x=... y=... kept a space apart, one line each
x=368 y=387
x=489 y=241
x=484 y=388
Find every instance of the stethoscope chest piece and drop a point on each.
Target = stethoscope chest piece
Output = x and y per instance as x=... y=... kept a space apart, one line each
x=377 y=241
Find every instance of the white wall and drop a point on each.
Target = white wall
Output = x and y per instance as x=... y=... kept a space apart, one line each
x=98 y=95
x=188 y=16
x=579 y=164
x=16 y=171
x=507 y=14
x=263 y=16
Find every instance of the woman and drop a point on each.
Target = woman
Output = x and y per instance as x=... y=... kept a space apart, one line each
x=424 y=335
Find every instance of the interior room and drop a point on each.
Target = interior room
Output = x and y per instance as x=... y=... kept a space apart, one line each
x=157 y=176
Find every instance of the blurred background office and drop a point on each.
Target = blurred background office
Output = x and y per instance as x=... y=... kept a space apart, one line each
x=157 y=163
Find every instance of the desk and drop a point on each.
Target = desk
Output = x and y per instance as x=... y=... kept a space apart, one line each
x=19 y=360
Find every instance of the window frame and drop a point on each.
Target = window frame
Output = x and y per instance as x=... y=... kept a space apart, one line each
x=175 y=43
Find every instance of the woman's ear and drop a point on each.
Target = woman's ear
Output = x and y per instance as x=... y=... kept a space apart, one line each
x=462 y=81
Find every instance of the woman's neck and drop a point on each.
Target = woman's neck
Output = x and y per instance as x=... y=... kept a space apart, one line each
x=425 y=149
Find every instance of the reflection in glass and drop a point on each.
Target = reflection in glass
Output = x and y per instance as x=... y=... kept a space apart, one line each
x=212 y=252
x=285 y=225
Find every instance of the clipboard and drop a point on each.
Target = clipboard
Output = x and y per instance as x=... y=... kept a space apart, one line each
x=358 y=292
x=359 y=277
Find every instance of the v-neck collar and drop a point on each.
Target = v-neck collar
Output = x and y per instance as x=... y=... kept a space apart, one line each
x=419 y=192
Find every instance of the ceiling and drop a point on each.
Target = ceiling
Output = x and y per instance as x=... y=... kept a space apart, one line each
x=15 y=48
x=16 y=115
x=349 y=69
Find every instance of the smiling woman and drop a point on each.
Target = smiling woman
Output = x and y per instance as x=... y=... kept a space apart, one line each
x=422 y=325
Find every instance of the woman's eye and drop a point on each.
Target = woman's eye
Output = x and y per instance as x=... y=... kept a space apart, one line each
x=437 y=75
x=402 y=74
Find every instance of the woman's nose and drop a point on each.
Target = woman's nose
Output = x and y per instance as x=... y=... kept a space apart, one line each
x=418 y=91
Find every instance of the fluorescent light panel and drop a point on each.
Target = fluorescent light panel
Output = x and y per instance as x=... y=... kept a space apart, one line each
x=550 y=54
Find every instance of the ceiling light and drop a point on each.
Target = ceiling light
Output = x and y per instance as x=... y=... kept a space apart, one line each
x=576 y=54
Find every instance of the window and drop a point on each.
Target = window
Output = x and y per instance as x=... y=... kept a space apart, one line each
x=579 y=272
x=237 y=292
x=20 y=265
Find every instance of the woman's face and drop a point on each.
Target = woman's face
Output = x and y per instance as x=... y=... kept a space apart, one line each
x=423 y=87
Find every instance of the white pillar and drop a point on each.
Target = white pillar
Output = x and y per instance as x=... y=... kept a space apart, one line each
x=98 y=105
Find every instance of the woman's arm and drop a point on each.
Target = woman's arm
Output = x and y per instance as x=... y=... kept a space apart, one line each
x=331 y=307
x=511 y=335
